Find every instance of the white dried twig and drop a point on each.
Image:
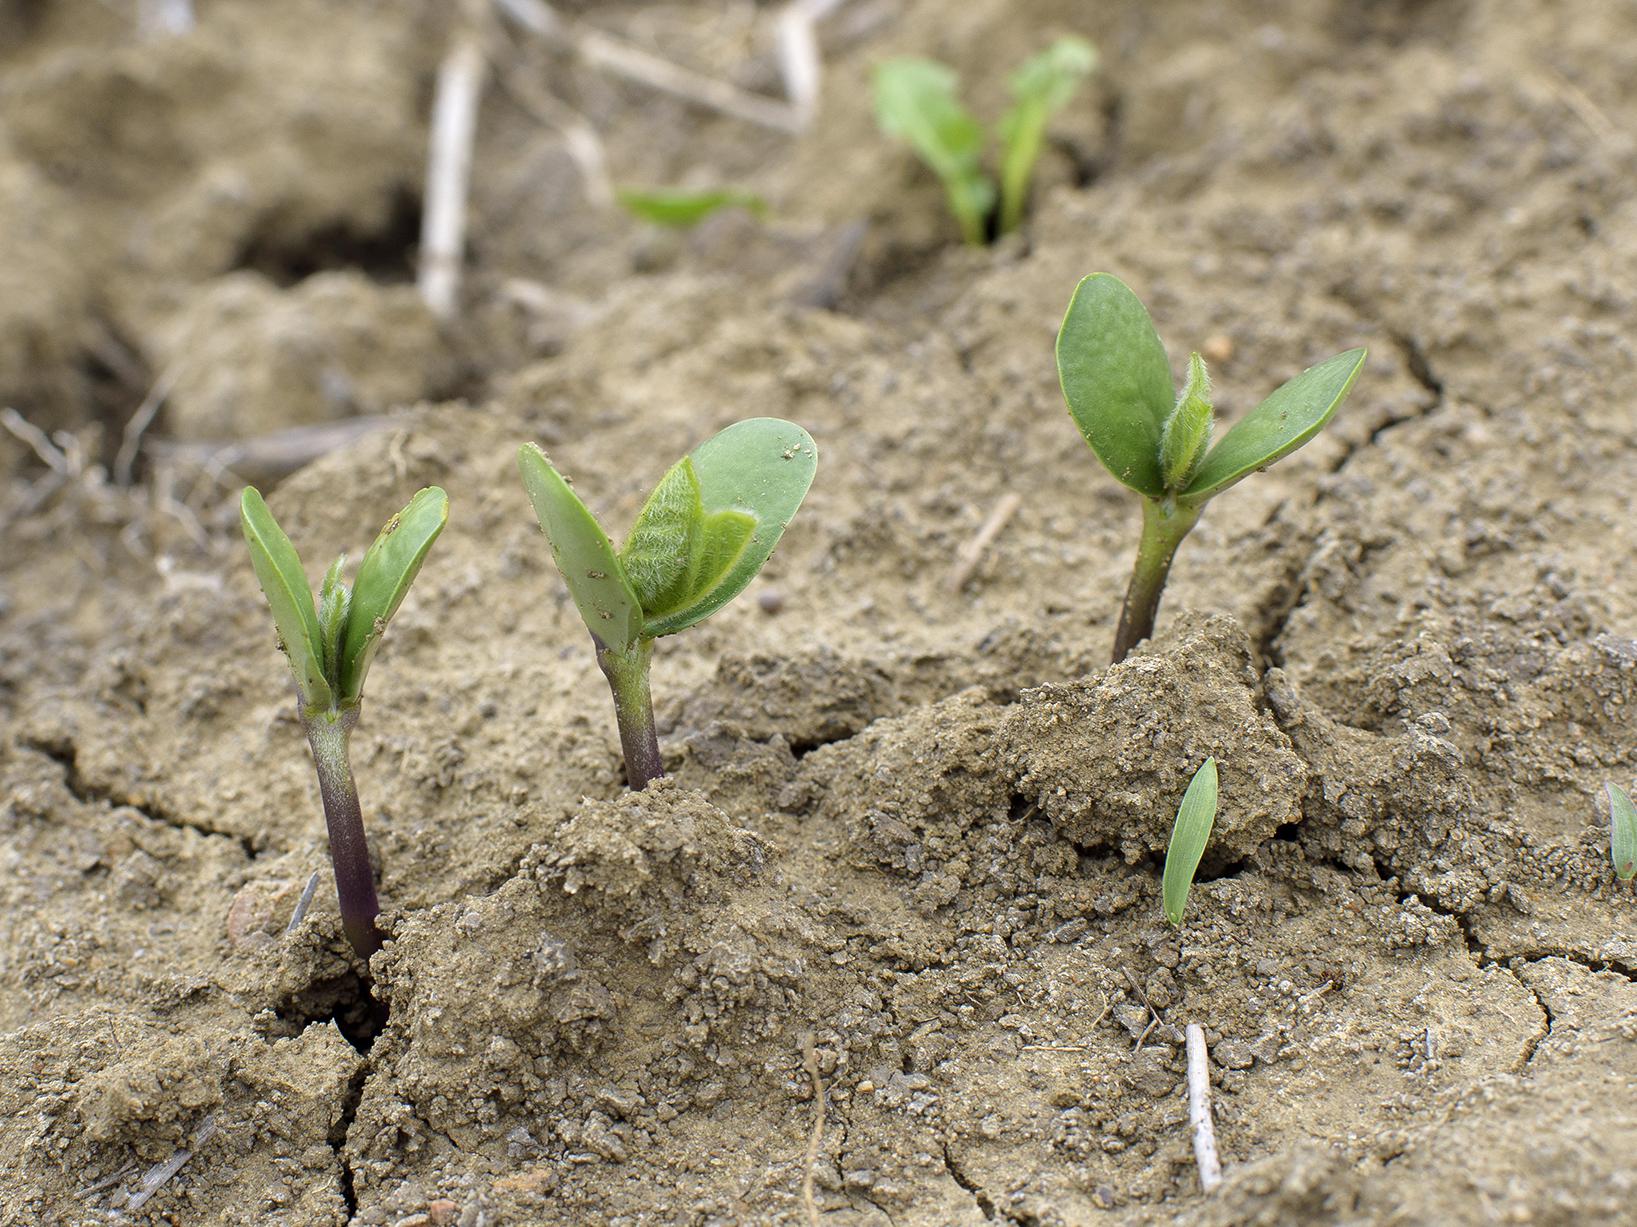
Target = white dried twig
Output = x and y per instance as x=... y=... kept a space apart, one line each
x=164 y=18
x=302 y=904
x=799 y=62
x=1199 y=1109
x=449 y=171
x=972 y=552
x=809 y=1056
x=273 y=455
x=580 y=139
x=624 y=59
x=160 y=1173
x=130 y=443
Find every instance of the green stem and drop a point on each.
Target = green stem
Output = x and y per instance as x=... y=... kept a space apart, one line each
x=1164 y=525
x=1017 y=168
x=328 y=733
x=627 y=674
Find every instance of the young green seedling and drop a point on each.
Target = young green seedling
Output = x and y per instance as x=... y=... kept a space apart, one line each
x=705 y=532
x=915 y=101
x=1622 y=833
x=1195 y=817
x=1117 y=382
x=330 y=647
x=680 y=208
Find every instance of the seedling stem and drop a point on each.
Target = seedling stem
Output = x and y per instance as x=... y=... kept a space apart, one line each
x=627 y=674
x=329 y=733
x=1164 y=524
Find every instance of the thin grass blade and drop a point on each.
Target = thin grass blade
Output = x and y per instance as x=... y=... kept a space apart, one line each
x=1192 y=830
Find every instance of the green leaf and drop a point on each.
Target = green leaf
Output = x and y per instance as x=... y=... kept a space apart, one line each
x=1116 y=380
x=1295 y=412
x=658 y=552
x=751 y=478
x=681 y=208
x=1040 y=88
x=334 y=599
x=1622 y=833
x=278 y=568
x=676 y=553
x=1187 y=432
x=915 y=101
x=584 y=556
x=1195 y=817
x=389 y=567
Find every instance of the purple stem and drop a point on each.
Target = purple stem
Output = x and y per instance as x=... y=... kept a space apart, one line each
x=328 y=733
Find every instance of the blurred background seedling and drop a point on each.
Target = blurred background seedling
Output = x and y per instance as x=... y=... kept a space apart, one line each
x=1116 y=380
x=704 y=533
x=680 y=208
x=330 y=647
x=916 y=101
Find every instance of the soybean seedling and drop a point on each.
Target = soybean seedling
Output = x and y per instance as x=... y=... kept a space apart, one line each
x=681 y=209
x=330 y=647
x=1622 y=833
x=1189 y=834
x=915 y=101
x=1117 y=382
x=702 y=536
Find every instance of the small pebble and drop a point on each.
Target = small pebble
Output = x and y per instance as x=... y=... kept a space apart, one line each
x=442 y=1213
x=1218 y=348
x=771 y=600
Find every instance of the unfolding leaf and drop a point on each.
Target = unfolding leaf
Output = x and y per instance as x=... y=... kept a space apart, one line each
x=1195 y=817
x=678 y=553
x=1622 y=833
x=1187 y=432
x=1040 y=88
x=751 y=479
x=334 y=600
x=915 y=101
x=1296 y=411
x=681 y=208
x=584 y=555
x=658 y=553
x=388 y=568
x=1116 y=380
x=278 y=568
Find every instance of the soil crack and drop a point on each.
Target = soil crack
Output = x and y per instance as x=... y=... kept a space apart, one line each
x=66 y=755
x=958 y=1174
x=338 y=1137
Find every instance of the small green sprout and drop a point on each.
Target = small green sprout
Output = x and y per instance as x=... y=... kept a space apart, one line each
x=1622 y=833
x=704 y=533
x=1195 y=817
x=330 y=647
x=1117 y=382
x=915 y=101
x=679 y=208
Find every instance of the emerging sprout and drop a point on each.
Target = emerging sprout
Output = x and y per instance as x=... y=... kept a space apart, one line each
x=705 y=532
x=915 y=101
x=1117 y=382
x=1622 y=833
x=680 y=208
x=1195 y=817
x=330 y=648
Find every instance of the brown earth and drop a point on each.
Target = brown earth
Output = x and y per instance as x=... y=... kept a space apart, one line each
x=912 y=832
